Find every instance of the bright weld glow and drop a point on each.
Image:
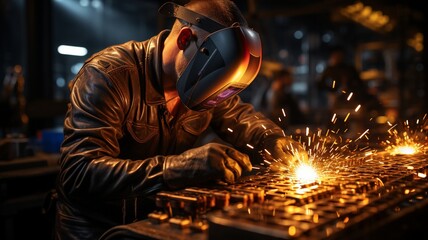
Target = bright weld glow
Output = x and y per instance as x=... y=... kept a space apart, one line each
x=72 y=50
x=358 y=108
x=406 y=142
x=406 y=150
x=248 y=145
x=283 y=112
x=229 y=129
x=306 y=173
x=350 y=95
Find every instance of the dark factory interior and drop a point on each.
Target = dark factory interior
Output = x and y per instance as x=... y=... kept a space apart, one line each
x=375 y=193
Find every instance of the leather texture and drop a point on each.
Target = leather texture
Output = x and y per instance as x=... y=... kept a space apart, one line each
x=119 y=138
x=199 y=166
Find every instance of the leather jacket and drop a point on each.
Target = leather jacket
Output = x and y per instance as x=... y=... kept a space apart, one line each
x=117 y=131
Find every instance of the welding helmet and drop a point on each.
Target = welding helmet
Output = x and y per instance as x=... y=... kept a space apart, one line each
x=226 y=62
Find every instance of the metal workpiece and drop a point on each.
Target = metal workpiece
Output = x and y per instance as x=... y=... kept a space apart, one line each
x=360 y=199
x=353 y=200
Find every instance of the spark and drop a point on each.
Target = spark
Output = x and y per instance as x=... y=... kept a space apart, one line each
x=334 y=84
x=368 y=153
x=392 y=127
x=422 y=175
x=283 y=112
x=230 y=130
x=333 y=118
x=358 y=108
x=346 y=118
x=324 y=153
x=406 y=139
x=350 y=96
x=248 y=145
x=364 y=133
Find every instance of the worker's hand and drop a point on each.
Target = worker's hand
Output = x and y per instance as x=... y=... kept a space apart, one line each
x=283 y=152
x=212 y=161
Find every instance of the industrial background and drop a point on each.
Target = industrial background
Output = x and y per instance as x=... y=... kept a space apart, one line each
x=383 y=39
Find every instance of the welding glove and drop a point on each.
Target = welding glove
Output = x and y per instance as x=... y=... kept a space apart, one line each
x=207 y=163
x=282 y=152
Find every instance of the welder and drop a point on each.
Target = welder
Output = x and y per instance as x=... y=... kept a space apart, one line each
x=136 y=110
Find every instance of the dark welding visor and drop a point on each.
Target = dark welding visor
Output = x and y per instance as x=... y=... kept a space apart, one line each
x=227 y=61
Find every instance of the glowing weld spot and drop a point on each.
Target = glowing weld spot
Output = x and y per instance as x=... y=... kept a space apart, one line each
x=306 y=173
x=406 y=150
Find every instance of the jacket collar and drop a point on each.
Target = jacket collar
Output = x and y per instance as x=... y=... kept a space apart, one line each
x=153 y=65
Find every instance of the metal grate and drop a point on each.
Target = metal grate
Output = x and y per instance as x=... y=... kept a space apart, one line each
x=353 y=198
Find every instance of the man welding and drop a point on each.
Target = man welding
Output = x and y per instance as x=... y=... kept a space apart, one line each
x=136 y=110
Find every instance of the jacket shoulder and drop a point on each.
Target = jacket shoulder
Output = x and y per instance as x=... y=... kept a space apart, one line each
x=125 y=55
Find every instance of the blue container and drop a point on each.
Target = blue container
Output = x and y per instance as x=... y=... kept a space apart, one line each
x=52 y=139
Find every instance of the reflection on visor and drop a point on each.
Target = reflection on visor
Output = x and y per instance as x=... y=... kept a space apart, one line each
x=221 y=96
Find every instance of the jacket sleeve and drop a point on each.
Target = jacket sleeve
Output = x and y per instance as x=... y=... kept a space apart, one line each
x=89 y=162
x=246 y=129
